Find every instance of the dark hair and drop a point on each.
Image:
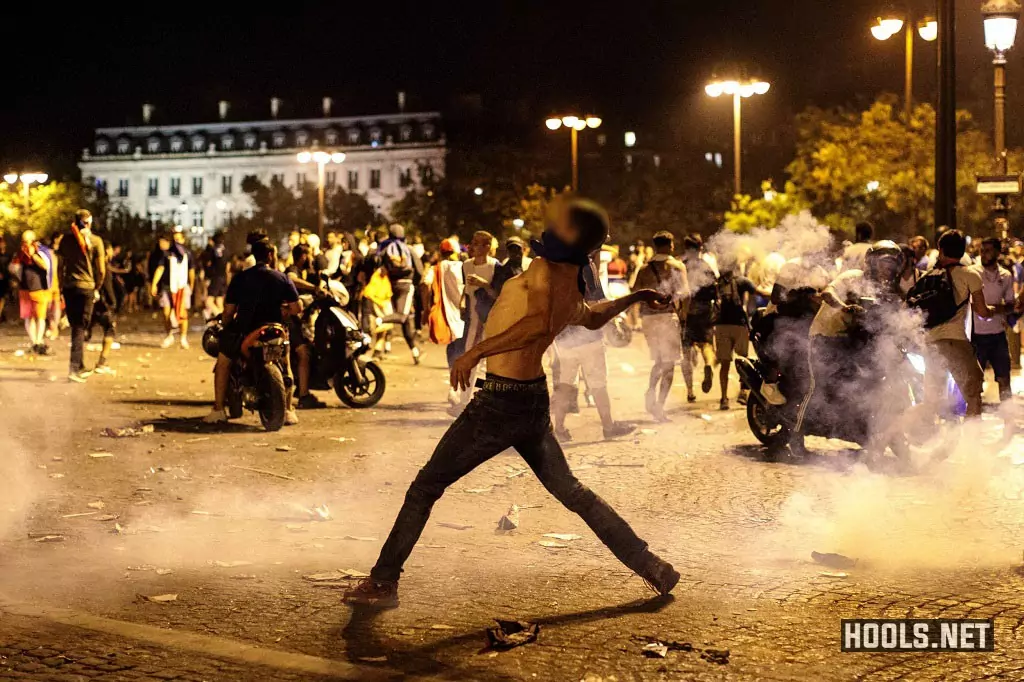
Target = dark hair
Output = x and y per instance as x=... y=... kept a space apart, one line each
x=298 y=251
x=693 y=242
x=255 y=236
x=863 y=232
x=218 y=238
x=591 y=221
x=663 y=239
x=953 y=244
x=165 y=235
x=263 y=250
x=994 y=242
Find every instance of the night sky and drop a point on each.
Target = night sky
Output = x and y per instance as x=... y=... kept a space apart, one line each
x=640 y=64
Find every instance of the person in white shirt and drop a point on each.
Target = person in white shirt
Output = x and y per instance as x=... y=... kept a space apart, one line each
x=479 y=296
x=989 y=334
x=442 y=291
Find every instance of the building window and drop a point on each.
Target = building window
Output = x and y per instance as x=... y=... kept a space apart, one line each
x=175 y=187
x=197 y=186
x=405 y=178
x=302 y=138
x=197 y=218
x=353 y=180
x=250 y=140
x=226 y=184
x=331 y=137
x=300 y=180
x=375 y=179
x=123 y=146
x=428 y=131
x=227 y=142
x=405 y=133
x=197 y=143
x=122 y=187
x=101 y=187
x=375 y=136
x=153 y=145
x=154 y=218
x=153 y=187
x=353 y=135
x=278 y=139
x=102 y=146
x=427 y=173
x=330 y=178
x=277 y=178
x=177 y=144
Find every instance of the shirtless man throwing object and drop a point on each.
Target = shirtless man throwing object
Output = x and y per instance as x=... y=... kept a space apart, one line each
x=511 y=407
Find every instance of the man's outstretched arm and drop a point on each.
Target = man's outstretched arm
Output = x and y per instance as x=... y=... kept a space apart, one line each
x=534 y=326
x=598 y=315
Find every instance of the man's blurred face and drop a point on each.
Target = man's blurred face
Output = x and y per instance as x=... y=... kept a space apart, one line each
x=481 y=246
x=87 y=223
x=179 y=238
x=920 y=250
x=560 y=224
x=333 y=239
x=515 y=252
x=989 y=255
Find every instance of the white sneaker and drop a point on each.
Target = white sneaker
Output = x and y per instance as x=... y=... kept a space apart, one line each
x=772 y=394
x=168 y=341
x=184 y=343
x=105 y=369
x=291 y=418
x=215 y=417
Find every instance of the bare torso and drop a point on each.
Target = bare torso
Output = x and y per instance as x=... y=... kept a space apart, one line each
x=567 y=307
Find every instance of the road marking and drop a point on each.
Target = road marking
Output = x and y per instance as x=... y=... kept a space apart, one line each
x=219 y=647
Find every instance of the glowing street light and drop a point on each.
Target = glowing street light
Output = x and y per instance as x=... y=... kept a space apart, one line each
x=575 y=124
x=888 y=26
x=321 y=159
x=928 y=29
x=739 y=90
x=1001 y=18
x=27 y=180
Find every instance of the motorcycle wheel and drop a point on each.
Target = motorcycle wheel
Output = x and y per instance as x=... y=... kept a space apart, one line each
x=366 y=395
x=234 y=400
x=618 y=333
x=767 y=429
x=273 y=398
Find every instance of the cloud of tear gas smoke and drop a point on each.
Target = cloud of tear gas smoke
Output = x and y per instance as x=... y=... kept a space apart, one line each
x=965 y=510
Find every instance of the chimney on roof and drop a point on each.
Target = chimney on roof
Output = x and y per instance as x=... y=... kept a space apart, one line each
x=147 y=113
x=328 y=103
x=275 y=106
x=401 y=101
x=222 y=109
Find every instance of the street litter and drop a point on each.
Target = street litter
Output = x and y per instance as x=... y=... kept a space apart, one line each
x=107 y=517
x=567 y=537
x=231 y=564
x=50 y=538
x=648 y=432
x=284 y=448
x=197 y=440
x=552 y=545
x=510 y=521
x=56 y=475
x=98 y=504
x=454 y=526
x=143 y=567
x=372 y=659
x=830 y=574
x=478 y=491
x=263 y=471
x=317 y=513
x=834 y=560
x=101 y=455
x=655 y=650
x=719 y=656
x=343 y=439
x=75 y=516
x=331 y=576
x=127 y=431
x=19 y=353
x=360 y=538
x=626 y=465
x=442 y=627
x=512 y=633
x=159 y=598
x=296 y=528
x=706 y=417
x=244 y=576
x=517 y=472
x=628 y=369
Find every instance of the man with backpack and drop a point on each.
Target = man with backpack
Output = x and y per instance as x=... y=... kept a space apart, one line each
x=732 y=332
x=698 y=331
x=404 y=270
x=944 y=295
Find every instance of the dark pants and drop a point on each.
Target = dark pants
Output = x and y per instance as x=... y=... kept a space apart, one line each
x=78 y=307
x=503 y=414
x=402 y=296
x=994 y=350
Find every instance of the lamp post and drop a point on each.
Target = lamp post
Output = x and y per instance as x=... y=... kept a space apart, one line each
x=888 y=26
x=26 y=181
x=1000 y=17
x=575 y=124
x=945 y=118
x=321 y=159
x=739 y=89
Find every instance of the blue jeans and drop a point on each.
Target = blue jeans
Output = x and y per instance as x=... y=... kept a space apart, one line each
x=503 y=414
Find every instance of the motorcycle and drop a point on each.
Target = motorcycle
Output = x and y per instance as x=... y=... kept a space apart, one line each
x=339 y=349
x=257 y=380
x=898 y=388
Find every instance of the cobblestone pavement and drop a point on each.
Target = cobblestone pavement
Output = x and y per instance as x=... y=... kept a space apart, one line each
x=223 y=521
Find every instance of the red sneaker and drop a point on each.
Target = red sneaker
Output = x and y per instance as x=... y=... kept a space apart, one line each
x=380 y=593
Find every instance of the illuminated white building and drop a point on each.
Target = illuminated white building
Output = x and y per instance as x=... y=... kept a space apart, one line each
x=192 y=175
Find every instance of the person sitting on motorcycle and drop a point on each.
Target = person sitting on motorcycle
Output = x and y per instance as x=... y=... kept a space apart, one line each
x=255 y=297
x=834 y=365
x=304 y=275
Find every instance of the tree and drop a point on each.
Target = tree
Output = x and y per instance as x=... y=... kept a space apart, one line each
x=766 y=211
x=52 y=206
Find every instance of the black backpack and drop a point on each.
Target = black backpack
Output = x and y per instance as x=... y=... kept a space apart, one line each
x=935 y=296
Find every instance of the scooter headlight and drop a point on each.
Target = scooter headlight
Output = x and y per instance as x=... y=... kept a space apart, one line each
x=917 y=362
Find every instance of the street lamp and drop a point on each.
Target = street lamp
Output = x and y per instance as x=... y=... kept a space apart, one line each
x=1001 y=17
x=321 y=159
x=739 y=89
x=575 y=124
x=888 y=26
x=26 y=181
